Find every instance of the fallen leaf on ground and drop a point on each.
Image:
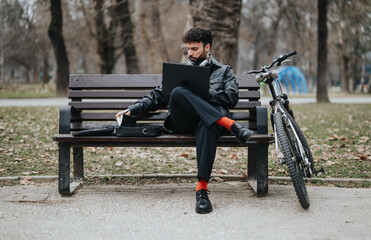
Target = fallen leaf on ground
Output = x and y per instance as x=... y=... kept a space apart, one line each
x=244 y=176
x=26 y=181
x=118 y=164
x=329 y=163
x=333 y=137
x=29 y=173
x=363 y=139
x=216 y=179
x=223 y=171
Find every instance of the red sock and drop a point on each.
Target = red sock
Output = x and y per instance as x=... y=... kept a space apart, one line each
x=226 y=122
x=202 y=184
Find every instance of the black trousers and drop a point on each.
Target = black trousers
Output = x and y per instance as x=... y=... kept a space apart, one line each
x=191 y=114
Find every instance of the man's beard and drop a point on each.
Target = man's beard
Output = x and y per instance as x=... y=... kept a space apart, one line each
x=199 y=59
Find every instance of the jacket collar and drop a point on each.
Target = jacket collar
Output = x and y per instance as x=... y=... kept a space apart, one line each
x=211 y=62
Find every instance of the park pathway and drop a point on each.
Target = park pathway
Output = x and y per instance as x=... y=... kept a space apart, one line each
x=166 y=211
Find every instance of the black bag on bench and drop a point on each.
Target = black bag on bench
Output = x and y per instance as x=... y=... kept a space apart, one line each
x=129 y=128
x=104 y=131
x=139 y=131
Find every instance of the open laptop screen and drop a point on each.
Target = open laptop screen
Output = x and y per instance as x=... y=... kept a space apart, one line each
x=195 y=78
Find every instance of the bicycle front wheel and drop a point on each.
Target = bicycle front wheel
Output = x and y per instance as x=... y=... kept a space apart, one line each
x=305 y=144
x=289 y=149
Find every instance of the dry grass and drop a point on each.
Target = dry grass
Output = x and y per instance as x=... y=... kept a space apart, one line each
x=339 y=136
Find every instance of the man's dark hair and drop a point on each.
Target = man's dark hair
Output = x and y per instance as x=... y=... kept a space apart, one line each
x=198 y=34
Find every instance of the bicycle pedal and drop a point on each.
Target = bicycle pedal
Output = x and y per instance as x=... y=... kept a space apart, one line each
x=318 y=171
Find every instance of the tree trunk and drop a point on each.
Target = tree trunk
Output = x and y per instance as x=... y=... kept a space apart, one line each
x=35 y=74
x=56 y=37
x=46 y=71
x=27 y=75
x=322 y=95
x=188 y=25
x=105 y=40
x=127 y=36
x=149 y=18
x=355 y=73
x=257 y=50
x=222 y=18
x=273 y=31
x=344 y=73
x=344 y=61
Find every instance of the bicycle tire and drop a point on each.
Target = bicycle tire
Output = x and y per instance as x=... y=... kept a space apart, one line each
x=304 y=142
x=295 y=169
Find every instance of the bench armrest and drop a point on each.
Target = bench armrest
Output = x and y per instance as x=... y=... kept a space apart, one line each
x=261 y=120
x=65 y=119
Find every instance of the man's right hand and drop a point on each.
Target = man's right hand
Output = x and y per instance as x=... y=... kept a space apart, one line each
x=126 y=112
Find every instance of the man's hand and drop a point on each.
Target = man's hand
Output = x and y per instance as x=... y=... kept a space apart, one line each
x=126 y=112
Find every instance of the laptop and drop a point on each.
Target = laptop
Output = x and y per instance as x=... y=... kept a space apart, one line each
x=195 y=78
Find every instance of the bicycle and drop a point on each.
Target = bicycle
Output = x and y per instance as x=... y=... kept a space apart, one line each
x=292 y=148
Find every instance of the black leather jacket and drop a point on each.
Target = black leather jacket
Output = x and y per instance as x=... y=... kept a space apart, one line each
x=223 y=93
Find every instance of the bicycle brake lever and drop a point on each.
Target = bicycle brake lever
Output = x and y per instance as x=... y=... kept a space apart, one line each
x=279 y=62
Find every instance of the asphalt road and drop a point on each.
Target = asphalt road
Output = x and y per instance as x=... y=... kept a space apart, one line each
x=166 y=211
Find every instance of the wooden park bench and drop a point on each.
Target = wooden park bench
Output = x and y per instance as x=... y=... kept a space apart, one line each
x=95 y=99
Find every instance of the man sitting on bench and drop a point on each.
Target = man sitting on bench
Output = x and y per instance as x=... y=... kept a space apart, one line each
x=190 y=114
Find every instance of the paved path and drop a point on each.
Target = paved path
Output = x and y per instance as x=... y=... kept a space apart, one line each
x=166 y=211
x=64 y=101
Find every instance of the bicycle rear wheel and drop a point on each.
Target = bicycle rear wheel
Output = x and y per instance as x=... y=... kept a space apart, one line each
x=289 y=148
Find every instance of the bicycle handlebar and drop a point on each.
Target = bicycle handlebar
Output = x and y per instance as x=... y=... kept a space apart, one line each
x=278 y=60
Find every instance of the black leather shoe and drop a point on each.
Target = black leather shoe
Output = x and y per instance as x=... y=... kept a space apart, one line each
x=203 y=204
x=242 y=133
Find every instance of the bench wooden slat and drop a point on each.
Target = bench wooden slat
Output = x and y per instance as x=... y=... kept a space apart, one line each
x=108 y=94
x=173 y=138
x=77 y=126
x=96 y=105
x=116 y=81
x=136 y=94
x=87 y=116
x=113 y=81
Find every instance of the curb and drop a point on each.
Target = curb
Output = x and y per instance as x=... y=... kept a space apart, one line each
x=185 y=176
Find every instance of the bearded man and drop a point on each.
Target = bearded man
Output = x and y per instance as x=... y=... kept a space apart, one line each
x=189 y=114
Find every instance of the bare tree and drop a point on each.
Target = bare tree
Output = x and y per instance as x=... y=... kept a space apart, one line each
x=20 y=38
x=127 y=36
x=222 y=18
x=349 y=19
x=113 y=33
x=151 y=32
x=105 y=38
x=56 y=37
x=322 y=95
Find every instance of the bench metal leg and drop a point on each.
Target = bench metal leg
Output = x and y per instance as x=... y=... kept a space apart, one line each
x=64 y=169
x=257 y=168
x=64 y=186
x=78 y=163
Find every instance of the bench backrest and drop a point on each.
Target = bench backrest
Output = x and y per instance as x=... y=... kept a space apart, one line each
x=100 y=97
